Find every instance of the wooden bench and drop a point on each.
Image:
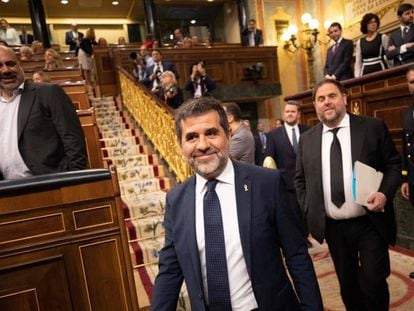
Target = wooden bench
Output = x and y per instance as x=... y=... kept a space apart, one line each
x=63 y=244
x=40 y=63
x=69 y=73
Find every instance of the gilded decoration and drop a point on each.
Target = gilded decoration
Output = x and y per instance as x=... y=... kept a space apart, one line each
x=157 y=123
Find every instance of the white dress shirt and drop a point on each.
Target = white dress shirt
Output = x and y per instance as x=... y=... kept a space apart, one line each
x=349 y=209
x=289 y=132
x=241 y=290
x=10 y=36
x=12 y=165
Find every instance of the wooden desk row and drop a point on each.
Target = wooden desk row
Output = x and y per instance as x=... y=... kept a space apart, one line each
x=40 y=63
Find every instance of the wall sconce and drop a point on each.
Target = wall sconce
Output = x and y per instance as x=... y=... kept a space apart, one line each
x=310 y=35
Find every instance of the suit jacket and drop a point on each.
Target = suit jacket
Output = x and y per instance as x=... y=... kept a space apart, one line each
x=278 y=147
x=29 y=39
x=397 y=40
x=207 y=85
x=50 y=137
x=266 y=223
x=371 y=144
x=340 y=62
x=408 y=149
x=258 y=37
x=150 y=70
x=242 y=145
x=259 y=149
x=69 y=40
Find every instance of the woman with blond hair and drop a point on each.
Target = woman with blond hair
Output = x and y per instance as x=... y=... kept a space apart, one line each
x=169 y=90
x=86 y=53
x=53 y=60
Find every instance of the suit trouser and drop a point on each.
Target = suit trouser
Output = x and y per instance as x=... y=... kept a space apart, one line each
x=362 y=263
x=298 y=211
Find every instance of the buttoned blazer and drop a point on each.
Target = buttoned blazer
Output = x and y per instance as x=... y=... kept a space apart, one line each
x=396 y=39
x=50 y=137
x=266 y=223
x=408 y=148
x=258 y=37
x=259 y=149
x=371 y=144
x=29 y=40
x=69 y=40
x=279 y=147
x=340 y=62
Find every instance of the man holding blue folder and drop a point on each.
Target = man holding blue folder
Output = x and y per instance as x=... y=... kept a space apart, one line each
x=357 y=235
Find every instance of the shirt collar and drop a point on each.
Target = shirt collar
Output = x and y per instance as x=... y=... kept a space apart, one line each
x=344 y=123
x=290 y=127
x=226 y=176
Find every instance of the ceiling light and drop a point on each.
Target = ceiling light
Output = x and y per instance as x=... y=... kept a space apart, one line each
x=210 y=0
x=193 y=21
x=115 y=2
x=64 y=1
x=5 y=1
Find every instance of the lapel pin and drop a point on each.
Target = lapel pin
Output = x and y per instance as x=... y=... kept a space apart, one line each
x=246 y=188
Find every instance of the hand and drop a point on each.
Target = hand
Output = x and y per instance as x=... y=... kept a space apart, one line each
x=405 y=190
x=409 y=45
x=376 y=202
x=391 y=48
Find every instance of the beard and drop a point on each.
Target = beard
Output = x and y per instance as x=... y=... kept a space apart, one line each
x=211 y=168
x=13 y=85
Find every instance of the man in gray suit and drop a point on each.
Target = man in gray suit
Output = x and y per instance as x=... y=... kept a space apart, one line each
x=38 y=125
x=241 y=141
x=401 y=44
x=357 y=235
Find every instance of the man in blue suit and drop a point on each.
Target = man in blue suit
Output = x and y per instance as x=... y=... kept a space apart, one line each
x=338 y=64
x=252 y=224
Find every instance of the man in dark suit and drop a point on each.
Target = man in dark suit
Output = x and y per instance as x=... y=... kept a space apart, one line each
x=225 y=242
x=38 y=124
x=25 y=38
x=338 y=64
x=252 y=36
x=407 y=187
x=73 y=38
x=282 y=146
x=260 y=140
x=153 y=73
x=357 y=235
x=401 y=44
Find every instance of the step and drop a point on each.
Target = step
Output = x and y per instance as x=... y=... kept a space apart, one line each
x=144 y=205
x=109 y=152
x=144 y=228
x=120 y=141
x=140 y=172
x=143 y=186
x=133 y=160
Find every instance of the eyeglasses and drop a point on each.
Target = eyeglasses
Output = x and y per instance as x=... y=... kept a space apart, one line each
x=8 y=64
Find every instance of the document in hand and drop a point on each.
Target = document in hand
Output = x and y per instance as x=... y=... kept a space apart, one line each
x=366 y=182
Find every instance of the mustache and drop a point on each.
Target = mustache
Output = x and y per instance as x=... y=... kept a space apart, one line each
x=208 y=151
x=8 y=75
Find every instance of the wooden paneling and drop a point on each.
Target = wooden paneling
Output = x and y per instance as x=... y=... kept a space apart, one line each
x=64 y=248
x=383 y=95
x=91 y=132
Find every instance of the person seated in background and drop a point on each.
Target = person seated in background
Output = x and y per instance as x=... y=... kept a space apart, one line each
x=145 y=54
x=401 y=44
x=169 y=90
x=187 y=42
x=338 y=65
x=41 y=77
x=53 y=60
x=252 y=36
x=37 y=47
x=39 y=125
x=178 y=41
x=25 y=38
x=149 y=38
x=121 y=41
x=8 y=34
x=370 y=49
x=199 y=84
x=25 y=53
x=102 y=43
x=194 y=40
x=138 y=66
x=155 y=44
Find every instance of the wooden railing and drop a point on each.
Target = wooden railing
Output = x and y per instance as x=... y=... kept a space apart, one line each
x=382 y=94
x=157 y=122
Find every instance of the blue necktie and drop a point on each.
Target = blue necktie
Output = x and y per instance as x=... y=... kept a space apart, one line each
x=294 y=140
x=216 y=262
x=337 y=172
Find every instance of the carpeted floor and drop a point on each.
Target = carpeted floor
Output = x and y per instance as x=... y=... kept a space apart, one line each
x=401 y=286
